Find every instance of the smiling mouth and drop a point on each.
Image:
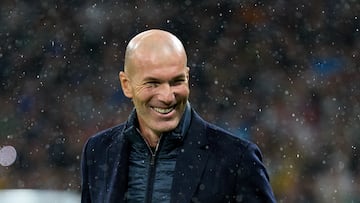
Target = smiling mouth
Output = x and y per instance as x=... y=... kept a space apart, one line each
x=162 y=110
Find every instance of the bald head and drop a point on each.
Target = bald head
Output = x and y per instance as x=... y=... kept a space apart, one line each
x=152 y=46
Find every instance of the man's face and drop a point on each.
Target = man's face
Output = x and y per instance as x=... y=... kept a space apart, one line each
x=159 y=89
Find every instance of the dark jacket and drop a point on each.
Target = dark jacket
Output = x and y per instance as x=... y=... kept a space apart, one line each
x=151 y=171
x=213 y=166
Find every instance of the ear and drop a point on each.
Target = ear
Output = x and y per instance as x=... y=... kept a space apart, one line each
x=188 y=73
x=125 y=84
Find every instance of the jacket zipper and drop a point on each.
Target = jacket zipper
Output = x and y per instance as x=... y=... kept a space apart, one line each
x=151 y=174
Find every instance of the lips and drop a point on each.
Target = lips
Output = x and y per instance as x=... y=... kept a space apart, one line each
x=163 y=110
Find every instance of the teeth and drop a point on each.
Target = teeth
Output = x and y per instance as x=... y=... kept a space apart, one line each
x=163 y=111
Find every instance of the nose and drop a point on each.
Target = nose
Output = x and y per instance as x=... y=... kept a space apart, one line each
x=166 y=94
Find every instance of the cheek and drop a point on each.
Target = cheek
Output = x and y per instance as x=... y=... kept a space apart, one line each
x=143 y=95
x=183 y=91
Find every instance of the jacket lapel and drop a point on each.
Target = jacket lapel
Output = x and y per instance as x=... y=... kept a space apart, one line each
x=191 y=162
x=116 y=175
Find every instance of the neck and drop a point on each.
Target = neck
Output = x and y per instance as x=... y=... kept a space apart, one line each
x=151 y=138
x=152 y=141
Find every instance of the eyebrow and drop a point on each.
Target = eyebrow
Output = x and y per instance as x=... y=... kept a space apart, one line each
x=180 y=76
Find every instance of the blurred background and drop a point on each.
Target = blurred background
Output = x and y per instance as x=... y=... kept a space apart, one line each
x=284 y=74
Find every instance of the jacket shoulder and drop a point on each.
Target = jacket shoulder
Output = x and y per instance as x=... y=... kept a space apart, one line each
x=105 y=137
x=226 y=138
x=219 y=137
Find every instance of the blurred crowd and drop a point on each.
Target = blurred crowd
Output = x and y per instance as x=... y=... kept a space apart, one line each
x=282 y=74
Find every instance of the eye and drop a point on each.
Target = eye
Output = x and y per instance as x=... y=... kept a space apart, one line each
x=178 y=81
x=152 y=84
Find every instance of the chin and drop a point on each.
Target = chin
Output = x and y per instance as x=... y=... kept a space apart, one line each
x=166 y=127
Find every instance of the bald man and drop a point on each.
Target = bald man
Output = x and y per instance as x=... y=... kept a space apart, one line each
x=164 y=151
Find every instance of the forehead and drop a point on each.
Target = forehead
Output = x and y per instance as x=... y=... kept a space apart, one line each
x=156 y=70
x=157 y=60
x=157 y=53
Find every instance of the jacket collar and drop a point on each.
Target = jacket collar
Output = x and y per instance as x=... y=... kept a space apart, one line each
x=191 y=161
x=116 y=169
